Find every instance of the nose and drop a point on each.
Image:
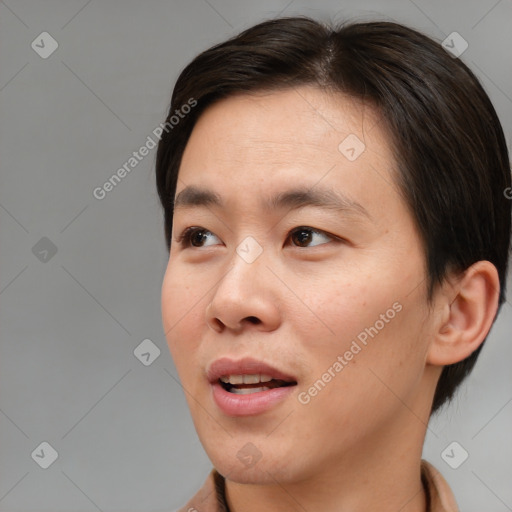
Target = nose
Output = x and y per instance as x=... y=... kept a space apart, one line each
x=246 y=297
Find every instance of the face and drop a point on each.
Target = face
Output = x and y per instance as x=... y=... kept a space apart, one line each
x=326 y=286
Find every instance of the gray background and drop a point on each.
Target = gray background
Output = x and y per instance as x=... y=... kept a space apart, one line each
x=69 y=325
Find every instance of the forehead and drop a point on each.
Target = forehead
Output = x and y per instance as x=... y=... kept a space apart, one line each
x=262 y=143
x=280 y=120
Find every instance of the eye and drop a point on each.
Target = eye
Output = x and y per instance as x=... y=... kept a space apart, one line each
x=195 y=236
x=305 y=234
x=191 y=235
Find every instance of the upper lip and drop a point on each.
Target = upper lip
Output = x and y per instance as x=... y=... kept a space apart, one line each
x=246 y=366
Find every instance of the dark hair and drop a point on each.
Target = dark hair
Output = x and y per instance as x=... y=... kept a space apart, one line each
x=453 y=166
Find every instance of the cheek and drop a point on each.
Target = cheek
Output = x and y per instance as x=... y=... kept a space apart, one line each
x=373 y=323
x=368 y=371
x=340 y=307
x=181 y=312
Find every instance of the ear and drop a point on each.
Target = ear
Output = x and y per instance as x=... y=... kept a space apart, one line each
x=465 y=313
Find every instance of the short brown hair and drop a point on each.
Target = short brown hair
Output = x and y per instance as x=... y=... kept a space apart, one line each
x=453 y=164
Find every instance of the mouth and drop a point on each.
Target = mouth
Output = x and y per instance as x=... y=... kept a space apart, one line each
x=248 y=384
x=248 y=387
x=247 y=373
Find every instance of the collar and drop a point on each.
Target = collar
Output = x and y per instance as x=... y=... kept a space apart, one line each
x=212 y=498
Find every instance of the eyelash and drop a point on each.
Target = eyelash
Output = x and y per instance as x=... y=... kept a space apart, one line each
x=185 y=238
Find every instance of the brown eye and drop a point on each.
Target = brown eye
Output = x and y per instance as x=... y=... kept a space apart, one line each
x=193 y=237
x=303 y=236
x=197 y=237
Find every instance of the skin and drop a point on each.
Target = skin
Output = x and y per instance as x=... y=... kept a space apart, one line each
x=357 y=444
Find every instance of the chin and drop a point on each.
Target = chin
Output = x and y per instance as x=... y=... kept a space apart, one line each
x=261 y=474
x=255 y=476
x=247 y=466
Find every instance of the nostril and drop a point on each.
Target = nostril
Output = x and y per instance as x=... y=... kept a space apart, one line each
x=253 y=320
x=218 y=325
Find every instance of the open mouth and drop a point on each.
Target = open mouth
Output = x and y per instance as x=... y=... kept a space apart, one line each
x=248 y=387
x=255 y=387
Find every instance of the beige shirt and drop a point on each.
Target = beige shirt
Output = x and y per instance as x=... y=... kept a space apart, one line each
x=211 y=497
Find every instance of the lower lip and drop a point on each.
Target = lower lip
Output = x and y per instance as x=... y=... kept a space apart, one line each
x=245 y=405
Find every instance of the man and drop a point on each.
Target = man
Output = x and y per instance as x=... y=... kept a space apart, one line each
x=339 y=237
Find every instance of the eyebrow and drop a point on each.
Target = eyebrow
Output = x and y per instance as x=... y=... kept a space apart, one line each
x=193 y=196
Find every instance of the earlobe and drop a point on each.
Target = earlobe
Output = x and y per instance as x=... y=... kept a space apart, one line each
x=467 y=315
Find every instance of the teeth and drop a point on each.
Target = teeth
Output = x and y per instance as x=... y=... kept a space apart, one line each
x=246 y=379
x=247 y=391
x=251 y=379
